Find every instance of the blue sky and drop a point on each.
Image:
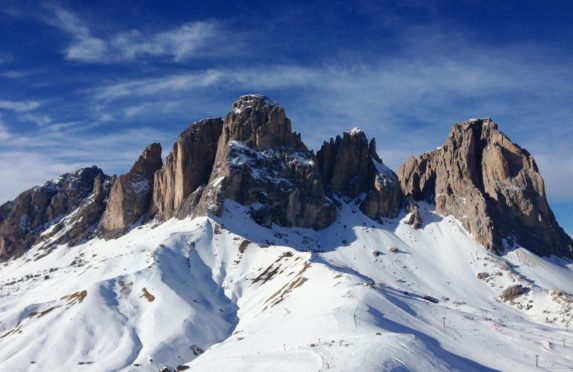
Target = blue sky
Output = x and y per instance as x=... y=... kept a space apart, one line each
x=86 y=83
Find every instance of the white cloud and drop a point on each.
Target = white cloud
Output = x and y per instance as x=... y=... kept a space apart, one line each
x=85 y=47
x=269 y=77
x=179 y=43
x=185 y=41
x=45 y=155
x=19 y=106
x=39 y=168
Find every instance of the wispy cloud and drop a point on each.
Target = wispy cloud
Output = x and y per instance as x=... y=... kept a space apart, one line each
x=255 y=77
x=19 y=106
x=45 y=155
x=27 y=111
x=84 y=47
x=189 y=40
x=183 y=42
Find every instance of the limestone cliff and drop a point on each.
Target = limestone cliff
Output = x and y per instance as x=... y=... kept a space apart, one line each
x=131 y=194
x=187 y=167
x=350 y=166
x=491 y=185
x=260 y=162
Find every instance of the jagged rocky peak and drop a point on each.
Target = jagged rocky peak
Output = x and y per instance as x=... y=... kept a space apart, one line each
x=61 y=210
x=261 y=163
x=258 y=122
x=345 y=163
x=490 y=184
x=131 y=194
x=148 y=162
x=188 y=166
x=350 y=166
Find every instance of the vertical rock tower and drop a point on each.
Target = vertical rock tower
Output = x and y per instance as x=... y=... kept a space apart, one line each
x=130 y=196
x=491 y=185
x=350 y=167
x=260 y=162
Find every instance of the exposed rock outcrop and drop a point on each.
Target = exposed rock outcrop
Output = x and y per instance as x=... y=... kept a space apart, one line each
x=187 y=167
x=351 y=166
x=260 y=123
x=261 y=163
x=512 y=292
x=414 y=218
x=131 y=194
x=82 y=223
x=345 y=163
x=65 y=209
x=491 y=185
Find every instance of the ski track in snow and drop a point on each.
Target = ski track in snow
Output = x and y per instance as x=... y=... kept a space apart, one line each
x=225 y=294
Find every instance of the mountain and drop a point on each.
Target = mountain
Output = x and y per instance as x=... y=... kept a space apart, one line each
x=490 y=184
x=244 y=250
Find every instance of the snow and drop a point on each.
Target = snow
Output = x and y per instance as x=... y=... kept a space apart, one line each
x=384 y=172
x=246 y=101
x=355 y=131
x=280 y=299
x=217 y=182
x=267 y=165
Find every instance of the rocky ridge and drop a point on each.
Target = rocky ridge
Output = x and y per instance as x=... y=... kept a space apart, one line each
x=253 y=157
x=64 y=210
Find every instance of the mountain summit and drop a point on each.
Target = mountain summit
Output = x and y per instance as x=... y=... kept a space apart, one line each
x=253 y=157
x=490 y=184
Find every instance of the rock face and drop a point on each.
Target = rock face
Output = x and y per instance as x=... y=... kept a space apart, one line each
x=82 y=223
x=131 y=194
x=261 y=163
x=350 y=166
x=187 y=167
x=512 y=292
x=64 y=210
x=414 y=218
x=490 y=184
x=260 y=123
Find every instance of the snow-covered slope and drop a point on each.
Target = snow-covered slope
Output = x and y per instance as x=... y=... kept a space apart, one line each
x=229 y=295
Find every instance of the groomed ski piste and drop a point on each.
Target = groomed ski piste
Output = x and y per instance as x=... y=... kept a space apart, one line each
x=225 y=294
